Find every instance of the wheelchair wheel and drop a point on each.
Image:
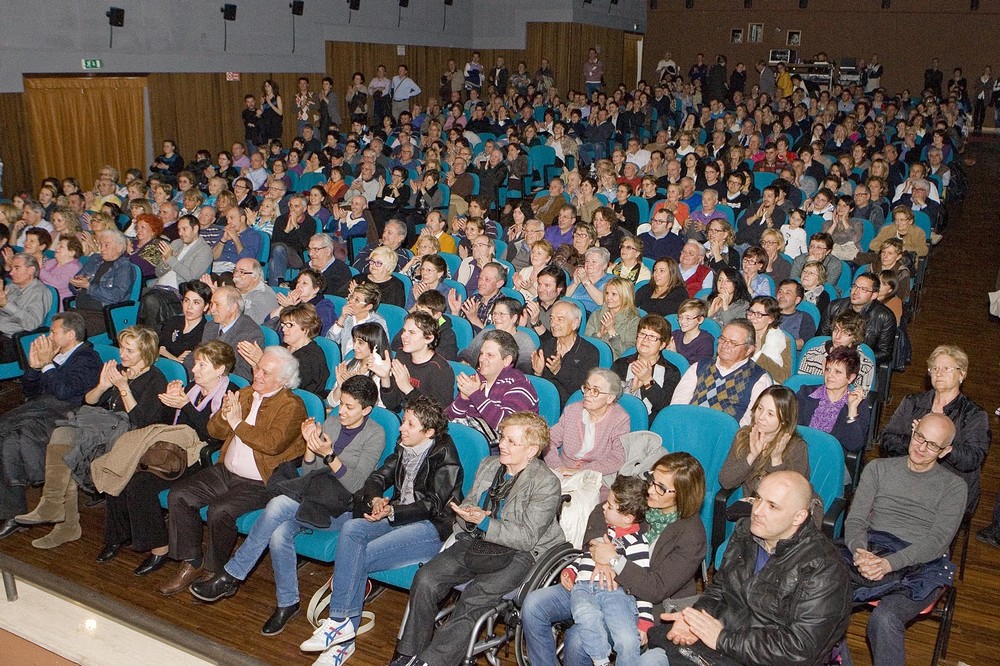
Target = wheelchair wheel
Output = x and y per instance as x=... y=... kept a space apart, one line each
x=545 y=573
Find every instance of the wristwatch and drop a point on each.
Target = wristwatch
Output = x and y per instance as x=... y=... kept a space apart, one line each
x=616 y=561
x=329 y=458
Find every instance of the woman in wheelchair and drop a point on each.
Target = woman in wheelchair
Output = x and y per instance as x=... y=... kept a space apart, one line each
x=673 y=527
x=506 y=523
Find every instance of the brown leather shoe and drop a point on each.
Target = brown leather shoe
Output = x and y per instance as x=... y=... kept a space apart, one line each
x=187 y=575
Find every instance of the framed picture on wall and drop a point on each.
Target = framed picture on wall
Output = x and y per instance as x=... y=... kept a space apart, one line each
x=755 y=35
x=794 y=38
x=736 y=36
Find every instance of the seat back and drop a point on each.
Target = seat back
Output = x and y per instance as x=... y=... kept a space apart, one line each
x=331 y=350
x=705 y=433
x=453 y=261
x=314 y=406
x=472 y=450
x=271 y=338
x=762 y=179
x=390 y=424
x=394 y=316
x=548 y=399
x=172 y=370
x=107 y=352
x=796 y=382
x=457 y=286
x=643 y=207
x=826 y=465
x=811 y=310
x=463 y=330
x=603 y=350
x=237 y=381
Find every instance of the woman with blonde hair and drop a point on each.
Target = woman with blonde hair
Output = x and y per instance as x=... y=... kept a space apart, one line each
x=773 y=244
x=526 y=279
x=617 y=320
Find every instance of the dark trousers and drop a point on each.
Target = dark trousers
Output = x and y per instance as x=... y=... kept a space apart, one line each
x=433 y=582
x=94 y=318
x=136 y=515
x=887 y=627
x=227 y=497
x=12 y=501
x=8 y=349
x=978 y=114
x=658 y=639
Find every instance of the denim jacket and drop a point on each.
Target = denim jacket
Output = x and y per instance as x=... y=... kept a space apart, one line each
x=114 y=286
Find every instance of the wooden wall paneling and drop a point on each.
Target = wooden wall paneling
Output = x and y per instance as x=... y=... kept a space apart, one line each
x=15 y=146
x=564 y=44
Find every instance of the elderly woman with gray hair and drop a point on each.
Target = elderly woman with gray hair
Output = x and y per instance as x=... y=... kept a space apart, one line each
x=106 y=278
x=588 y=434
x=589 y=280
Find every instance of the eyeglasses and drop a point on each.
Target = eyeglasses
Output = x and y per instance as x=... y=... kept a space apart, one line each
x=754 y=314
x=287 y=324
x=244 y=272
x=593 y=391
x=942 y=370
x=858 y=287
x=630 y=247
x=933 y=447
x=376 y=263
x=731 y=343
x=648 y=336
x=657 y=487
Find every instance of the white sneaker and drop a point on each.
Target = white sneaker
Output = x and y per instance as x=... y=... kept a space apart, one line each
x=331 y=632
x=936 y=238
x=336 y=655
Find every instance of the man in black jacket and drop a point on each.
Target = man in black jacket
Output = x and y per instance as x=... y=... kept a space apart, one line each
x=880 y=322
x=782 y=594
x=63 y=367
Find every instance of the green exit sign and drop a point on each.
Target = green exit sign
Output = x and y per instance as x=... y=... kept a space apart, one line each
x=92 y=63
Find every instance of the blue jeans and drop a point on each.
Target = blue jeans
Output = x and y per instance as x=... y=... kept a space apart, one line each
x=276 y=528
x=365 y=547
x=544 y=607
x=282 y=258
x=592 y=87
x=605 y=616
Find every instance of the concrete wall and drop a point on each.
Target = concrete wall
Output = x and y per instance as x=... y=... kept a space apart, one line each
x=52 y=36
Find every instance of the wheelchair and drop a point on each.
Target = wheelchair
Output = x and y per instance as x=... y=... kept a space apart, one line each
x=501 y=625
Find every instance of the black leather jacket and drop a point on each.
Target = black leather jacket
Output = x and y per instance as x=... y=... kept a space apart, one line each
x=792 y=611
x=438 y=482
x=880 y=326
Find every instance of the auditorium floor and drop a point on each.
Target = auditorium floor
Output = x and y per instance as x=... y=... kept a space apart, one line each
x=964 y=268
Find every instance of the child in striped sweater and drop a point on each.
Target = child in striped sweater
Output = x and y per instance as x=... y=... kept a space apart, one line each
x=606 y=617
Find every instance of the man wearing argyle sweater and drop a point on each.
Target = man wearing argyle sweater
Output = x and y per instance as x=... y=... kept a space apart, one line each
x=732 y=382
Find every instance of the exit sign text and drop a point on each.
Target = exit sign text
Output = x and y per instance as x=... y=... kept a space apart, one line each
x=92 y=63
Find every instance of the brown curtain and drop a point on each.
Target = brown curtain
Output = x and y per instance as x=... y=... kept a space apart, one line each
x=79 y=124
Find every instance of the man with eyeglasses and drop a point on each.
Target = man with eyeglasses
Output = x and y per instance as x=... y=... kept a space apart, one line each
x=730 y=383
x=880 y=322
x=323 y=259
x=187 y=258
x=256 y=172
x=866 y=209
x=561 y=233
x=230 y=325
x=661 y=240
x=904 y=515
x=519 y=252
x=392 y=237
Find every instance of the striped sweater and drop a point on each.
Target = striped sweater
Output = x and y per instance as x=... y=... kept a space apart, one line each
x=632 y=543
x=511 y=392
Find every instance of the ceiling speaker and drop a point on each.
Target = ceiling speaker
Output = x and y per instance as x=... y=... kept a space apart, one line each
x=297 y=7
x=228 y=12
x=116 y=17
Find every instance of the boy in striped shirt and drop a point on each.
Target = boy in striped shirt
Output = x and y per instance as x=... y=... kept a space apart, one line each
x=607 y=617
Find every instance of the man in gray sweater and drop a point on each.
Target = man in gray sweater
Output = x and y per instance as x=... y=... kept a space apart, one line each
x=917 y=503
x=24 y=302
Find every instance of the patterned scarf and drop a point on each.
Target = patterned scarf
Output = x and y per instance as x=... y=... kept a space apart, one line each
x=657 y=519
